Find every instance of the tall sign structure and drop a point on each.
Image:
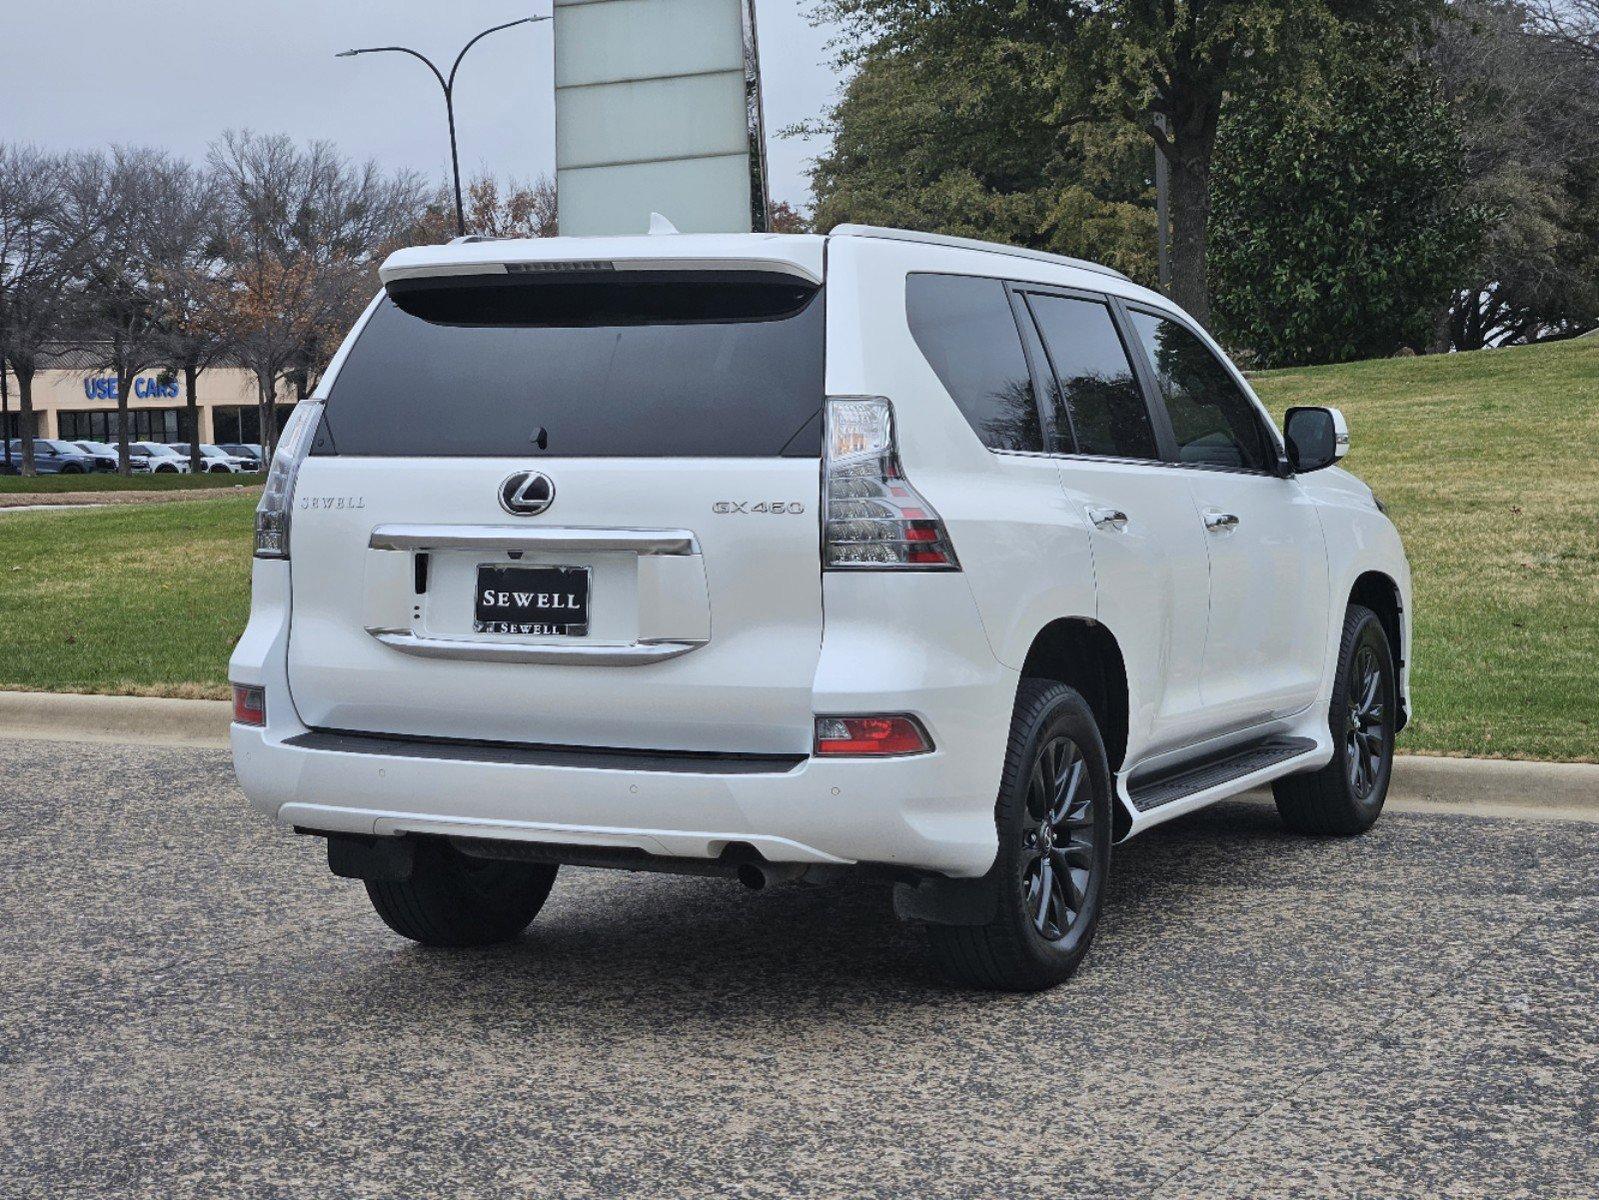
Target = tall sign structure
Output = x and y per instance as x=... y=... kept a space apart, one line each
x=658 y=109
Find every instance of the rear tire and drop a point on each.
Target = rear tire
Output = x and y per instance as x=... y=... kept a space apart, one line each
x=1054 y=807
x=1346 y=796
x=453 y=899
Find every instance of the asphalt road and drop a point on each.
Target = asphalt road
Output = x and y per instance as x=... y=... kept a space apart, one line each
x=191 y=1006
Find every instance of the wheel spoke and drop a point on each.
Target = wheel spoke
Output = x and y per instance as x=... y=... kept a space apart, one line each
x=1037 y=789
x=1046 y=887
x=1067 y=791
x=1065 y=911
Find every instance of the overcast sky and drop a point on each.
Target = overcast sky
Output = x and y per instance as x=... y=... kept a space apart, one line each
x=175 y=73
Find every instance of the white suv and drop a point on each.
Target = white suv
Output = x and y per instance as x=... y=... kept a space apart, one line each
x=780 y=556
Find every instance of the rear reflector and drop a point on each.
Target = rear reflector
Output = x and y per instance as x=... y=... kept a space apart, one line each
x=870 y=736
x=249 y=705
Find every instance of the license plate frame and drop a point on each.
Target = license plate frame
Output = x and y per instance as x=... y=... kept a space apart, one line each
x=532 y=600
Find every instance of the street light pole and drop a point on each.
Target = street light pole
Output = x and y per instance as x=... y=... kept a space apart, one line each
x=447 y=83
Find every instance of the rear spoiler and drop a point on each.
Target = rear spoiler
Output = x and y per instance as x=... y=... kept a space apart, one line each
x=397 y=268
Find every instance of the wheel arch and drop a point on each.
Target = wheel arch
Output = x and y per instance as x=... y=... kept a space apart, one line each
x=1379 y=592
x=1084 y=655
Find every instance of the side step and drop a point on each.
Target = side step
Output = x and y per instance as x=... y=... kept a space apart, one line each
x=1173 y=783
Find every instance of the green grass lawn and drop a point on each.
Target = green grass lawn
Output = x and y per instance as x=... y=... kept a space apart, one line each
x=1489 y=462
x=105 y=482
x=143 y=599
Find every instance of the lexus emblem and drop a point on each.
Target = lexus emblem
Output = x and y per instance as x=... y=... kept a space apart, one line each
x=527 y=493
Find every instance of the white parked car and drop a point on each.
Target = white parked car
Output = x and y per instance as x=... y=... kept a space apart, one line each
x=214 y=460
x=163 y=459
x=784 y=556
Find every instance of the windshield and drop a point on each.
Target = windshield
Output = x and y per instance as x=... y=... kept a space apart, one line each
x=636 y=364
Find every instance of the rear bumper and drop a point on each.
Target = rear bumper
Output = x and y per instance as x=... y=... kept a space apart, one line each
x=897 y=811
x=933 y=812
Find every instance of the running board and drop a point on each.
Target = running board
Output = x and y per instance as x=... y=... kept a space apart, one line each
x=1174 y=783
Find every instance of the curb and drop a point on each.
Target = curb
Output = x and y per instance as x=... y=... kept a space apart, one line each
x=146 y=720
x=1422 y=783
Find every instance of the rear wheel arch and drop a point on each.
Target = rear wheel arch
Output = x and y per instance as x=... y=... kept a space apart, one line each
x=1378 y=591
x=1084 y=655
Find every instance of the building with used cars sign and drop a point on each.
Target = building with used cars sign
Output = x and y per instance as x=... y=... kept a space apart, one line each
x=74 y=398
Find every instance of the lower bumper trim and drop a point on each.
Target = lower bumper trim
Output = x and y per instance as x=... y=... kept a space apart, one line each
x=681 y=762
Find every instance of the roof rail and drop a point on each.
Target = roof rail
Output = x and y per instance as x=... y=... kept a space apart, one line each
x=960 y=243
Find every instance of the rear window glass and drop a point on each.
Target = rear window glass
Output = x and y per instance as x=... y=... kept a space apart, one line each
x=966 y=330
x=631 y=365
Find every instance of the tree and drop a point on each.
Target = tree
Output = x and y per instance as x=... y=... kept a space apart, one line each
x=1339 y=225
x=304 y=232
x=111 y=210
x=788 y=219
x=1164 y=67
x=186 y=282
x=493 y=209
x=34 y=262
x=1527 y=101
x=1573 y=23
x=968 y=146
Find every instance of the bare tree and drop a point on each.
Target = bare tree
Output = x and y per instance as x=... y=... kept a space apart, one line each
x=1575 y=23
x=187 y=283
x=35 y=262
x=304 y=229
x=514 y=209
x=1528 y=105
x=112 y=209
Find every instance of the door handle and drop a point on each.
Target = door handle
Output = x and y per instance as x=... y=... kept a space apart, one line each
x=1219 y=522
x=1112 y=517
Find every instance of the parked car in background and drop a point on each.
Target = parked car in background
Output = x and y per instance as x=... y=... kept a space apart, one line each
x=106 y=457
x=164 y=460
x=51 y=457
x=246 y=450
x=216 y=461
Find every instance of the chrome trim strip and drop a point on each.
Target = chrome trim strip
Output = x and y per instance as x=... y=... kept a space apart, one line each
x=633 y=654
x=515 y=537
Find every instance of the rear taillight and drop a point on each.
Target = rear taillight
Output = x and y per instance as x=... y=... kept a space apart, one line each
x=249 y=705
x=873 y=519
x=869 y=737
x=277 y=498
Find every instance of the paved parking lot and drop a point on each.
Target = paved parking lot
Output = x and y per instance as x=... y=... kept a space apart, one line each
x=192 y=1006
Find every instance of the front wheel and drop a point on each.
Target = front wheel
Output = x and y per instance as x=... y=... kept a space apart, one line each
x=1346 y=796
x=455 y=899
x=1047 y=883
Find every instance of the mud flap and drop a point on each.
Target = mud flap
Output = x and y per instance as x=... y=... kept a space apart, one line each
x=942 y=901
x=377 y=859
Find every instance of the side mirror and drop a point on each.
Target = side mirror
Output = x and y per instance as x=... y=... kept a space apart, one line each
x=1316 y=438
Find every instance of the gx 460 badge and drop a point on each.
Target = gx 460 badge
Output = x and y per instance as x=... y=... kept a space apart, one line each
x=772 y=507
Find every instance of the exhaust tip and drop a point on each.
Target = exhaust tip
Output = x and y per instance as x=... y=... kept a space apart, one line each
x=751 y=876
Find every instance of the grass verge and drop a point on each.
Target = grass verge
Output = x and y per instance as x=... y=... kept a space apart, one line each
x=1489 y=463
x=140 y=600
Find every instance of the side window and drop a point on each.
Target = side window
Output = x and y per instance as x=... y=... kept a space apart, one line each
x=966 y=329
x=1214 y=421
x=1096 y=396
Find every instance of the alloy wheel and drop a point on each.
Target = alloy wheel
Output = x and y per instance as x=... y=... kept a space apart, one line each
x=1058 y=840
x=1366 y=734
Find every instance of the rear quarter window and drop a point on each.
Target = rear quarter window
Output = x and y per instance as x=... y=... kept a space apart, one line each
x=633 y=365
x=966 y=330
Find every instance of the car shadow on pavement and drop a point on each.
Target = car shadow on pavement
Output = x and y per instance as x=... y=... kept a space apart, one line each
x=708 y=948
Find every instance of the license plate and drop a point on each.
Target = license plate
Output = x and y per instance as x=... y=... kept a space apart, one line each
x=544 y=601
